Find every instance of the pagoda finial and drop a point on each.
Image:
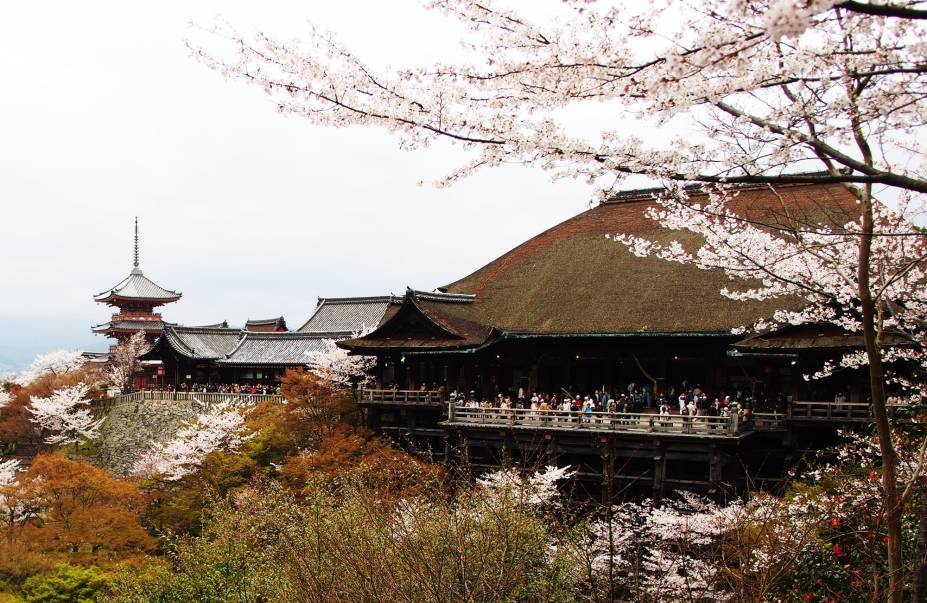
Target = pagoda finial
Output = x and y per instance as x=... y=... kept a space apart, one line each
x=135 y=263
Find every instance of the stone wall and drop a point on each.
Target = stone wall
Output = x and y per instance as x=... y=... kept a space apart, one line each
x=129 y=428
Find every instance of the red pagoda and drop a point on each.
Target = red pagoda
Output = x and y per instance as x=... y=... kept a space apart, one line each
x=136 y=297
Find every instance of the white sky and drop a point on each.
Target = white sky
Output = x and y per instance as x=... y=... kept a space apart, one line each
x=103 y=116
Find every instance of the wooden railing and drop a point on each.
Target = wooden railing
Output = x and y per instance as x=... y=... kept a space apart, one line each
x=597 y=421
x=401 y=396
x=769 y=421
x=204 y=397
x=860 y=412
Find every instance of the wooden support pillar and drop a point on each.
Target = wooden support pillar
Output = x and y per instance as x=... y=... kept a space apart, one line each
x=608 y=471
x=659 y=470
x=551 y=451
x=715 y=467
x=506 y=448
x=374 y=419
x=464 y=450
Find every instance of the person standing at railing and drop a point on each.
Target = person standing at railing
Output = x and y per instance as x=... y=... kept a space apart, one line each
x=713 y=412
x=587 y=410
x=566 y=408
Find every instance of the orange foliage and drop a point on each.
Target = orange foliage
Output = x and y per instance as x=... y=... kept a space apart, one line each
x=73 y=507
x=349 y=455
x=314 y=406
x=15 y=426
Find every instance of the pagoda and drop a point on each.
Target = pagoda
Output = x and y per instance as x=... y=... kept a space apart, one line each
x=136 y=298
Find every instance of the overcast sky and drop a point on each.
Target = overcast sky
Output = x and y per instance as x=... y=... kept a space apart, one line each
x=104 y=116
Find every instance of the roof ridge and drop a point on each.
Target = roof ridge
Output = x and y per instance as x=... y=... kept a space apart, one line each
x=204 y=329
x=646 y=194
x=286 y=335
x=441 y=296
x=237 y=345
x=358 y=300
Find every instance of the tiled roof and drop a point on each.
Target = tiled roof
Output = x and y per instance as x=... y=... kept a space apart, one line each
x=289 y=349
x=435 y=321
x=814 y=336
x=137 y=286
x=202 y=342
x=219 y=325
x=265 y=324
x=238 y=347
x=130 y=325
x=347 y=315
x=96 y=357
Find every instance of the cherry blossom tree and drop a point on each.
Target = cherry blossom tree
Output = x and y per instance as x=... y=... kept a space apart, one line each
x=66 y=414
x=57 y=362
x=219 y=427
x=536 y=489
x=8 y=471
x=732 y=91
x=336 y=366
x=124 y=363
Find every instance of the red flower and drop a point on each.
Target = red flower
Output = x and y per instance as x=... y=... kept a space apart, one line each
x=885 y=539
x=835 y=522
x=873 y=475
x=807 y=597
x=820 y=581
x=838 y=550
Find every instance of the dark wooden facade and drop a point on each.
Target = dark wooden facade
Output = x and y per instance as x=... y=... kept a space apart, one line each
x=571 y=312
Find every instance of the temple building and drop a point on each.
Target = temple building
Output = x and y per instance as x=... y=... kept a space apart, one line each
x=263 y=350
x=573 y=311
x=266 y=325
x=135 y=297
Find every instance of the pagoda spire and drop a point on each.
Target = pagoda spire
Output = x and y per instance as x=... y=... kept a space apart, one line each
x=135 y=259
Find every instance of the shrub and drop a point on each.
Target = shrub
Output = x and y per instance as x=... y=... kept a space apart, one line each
x=68 y=584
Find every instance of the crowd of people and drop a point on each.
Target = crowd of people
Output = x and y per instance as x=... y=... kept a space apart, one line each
x=686 y=400
x=229 y=388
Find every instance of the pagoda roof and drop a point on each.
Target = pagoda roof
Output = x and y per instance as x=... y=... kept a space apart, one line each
x=137 y=287
x=130 y=325
x=344 y=316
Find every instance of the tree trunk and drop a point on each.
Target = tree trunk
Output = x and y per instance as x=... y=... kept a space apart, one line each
x=892 y=510
x=919 y=579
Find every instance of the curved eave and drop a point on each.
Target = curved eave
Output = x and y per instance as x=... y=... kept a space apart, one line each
x=226 y=362
x=113 y=298
x=109 y=329
x=405 y=349
x=497 y=337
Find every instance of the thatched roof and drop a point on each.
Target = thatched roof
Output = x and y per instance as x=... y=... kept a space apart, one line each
x=572 y=279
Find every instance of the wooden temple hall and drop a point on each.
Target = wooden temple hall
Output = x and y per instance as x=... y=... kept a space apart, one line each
x=571 y=313
x=566 y=313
